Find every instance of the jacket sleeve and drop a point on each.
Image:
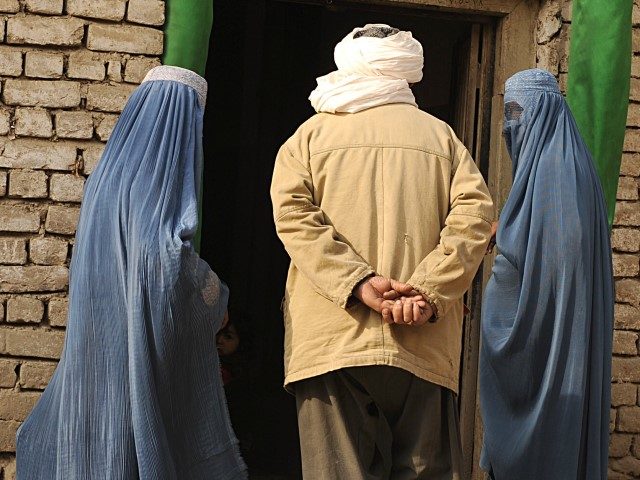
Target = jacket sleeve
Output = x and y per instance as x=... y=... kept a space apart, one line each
x=316 y=249
x=445 y=274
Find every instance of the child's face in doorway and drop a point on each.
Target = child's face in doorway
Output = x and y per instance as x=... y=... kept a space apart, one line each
x=227 y=340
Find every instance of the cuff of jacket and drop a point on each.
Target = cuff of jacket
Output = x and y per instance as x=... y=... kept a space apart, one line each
x=347 y=288
x=440 y=305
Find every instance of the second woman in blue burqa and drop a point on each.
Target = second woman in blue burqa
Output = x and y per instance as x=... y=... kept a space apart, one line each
x=547 y=314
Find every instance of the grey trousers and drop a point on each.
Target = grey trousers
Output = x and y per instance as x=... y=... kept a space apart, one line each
x=376 y=423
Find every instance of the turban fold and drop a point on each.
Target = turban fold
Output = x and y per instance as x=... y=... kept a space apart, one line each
x=371 y=71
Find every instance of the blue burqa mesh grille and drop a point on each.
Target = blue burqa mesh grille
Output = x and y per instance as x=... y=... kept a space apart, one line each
x=547 y=314
x=137 y=392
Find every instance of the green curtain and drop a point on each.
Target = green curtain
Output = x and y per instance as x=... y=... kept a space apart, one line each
x=186 y=45
x=598 y=86
x=187 y=30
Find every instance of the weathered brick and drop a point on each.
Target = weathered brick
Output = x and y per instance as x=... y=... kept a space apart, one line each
x=632 y=140
x=16 y=405
x=10 y=62
x=86 y=65
x=25 y=309
x=635 y=67
x=62 y=219
x=108 y=98
x=33 y=122
x=48 y=250
x=74 y=124
x=147 y=12
x=627 y=317
x=619 y=444
x=33 y=342
x=137 y=67
x=626 y=369
x=5 y=121
x=623 y=394
x=8 y=374
x=628 y=291
x=565 y=33
x=114 y=70
x=42 y=93
x=634 y=90
x=633 y=115
x=66 y=187
x=625 y=343
x=625 y=265
x=626 y=240
x=57 y=311
x=562 y=82
x=630 y=165
x=19 y=218
x=613 y=413
x=9 y=468
x=3 y=183
x=28 y=183
x=9 y=6
x=104 y=125
x=548 y=56
x=37 y=154
x=629 y=419
x=33 y=279
x=125 y=38
x=105 y=9
x=627 y=189
x=13 y=251
x=549 y=21
x=8 y=429
x=627 y=213
x=51 y=7
x=43 y=64
x=635 y=448
x=37 y=30
x=36 y=375
x=627 y=465
x=91 y=156
x=567 y=10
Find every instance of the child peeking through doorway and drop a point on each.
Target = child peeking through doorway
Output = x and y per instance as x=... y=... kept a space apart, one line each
x=233 y=343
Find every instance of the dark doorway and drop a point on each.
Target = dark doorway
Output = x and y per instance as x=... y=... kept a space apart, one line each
x=263 y=60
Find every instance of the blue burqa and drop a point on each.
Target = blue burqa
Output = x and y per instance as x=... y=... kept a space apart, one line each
x=545 y=362
x=137 y=392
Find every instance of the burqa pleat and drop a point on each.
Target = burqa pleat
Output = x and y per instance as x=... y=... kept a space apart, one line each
x=137 y=392
x=545 y=362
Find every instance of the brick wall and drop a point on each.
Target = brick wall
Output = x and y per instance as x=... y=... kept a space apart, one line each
x=66 y=70
x=553 y=37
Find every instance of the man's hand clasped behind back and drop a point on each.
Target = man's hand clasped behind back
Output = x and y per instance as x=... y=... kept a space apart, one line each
x=397 y=302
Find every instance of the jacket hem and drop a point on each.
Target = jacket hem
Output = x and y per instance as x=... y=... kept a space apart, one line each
x=369 y=360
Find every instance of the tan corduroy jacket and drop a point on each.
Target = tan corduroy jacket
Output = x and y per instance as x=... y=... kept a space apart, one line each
x=389 y=190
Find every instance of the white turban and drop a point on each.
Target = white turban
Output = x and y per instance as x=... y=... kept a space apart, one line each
x=371 y=71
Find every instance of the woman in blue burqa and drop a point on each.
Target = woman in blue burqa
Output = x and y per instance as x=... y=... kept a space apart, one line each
x=547 y=314
x=137 y=392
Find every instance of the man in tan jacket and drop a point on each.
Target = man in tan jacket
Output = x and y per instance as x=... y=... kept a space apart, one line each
x=386 y=219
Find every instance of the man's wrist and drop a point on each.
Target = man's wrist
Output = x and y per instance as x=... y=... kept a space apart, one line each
x=357 y=290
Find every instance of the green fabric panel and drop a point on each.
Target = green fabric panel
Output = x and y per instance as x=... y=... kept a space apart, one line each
x=186 y=45
x=187 y=31
x=598 y=85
